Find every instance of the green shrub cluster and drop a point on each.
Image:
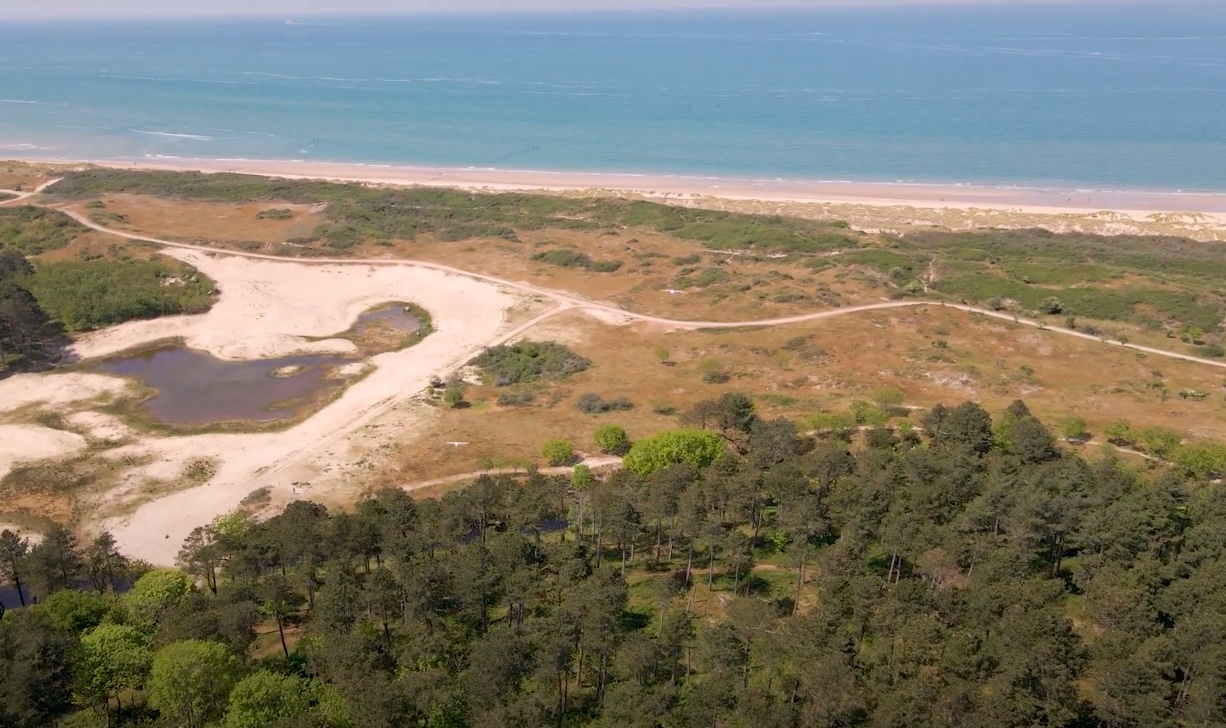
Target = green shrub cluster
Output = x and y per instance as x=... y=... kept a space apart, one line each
x=565 y=258
x=595 y=404
x=89 y=295
x=32 y=230
x=357 y=213
x=516 y=398
x=528 y=361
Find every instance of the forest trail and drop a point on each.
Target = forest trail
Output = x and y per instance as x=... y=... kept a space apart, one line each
x=566 y=301
x=603 y=461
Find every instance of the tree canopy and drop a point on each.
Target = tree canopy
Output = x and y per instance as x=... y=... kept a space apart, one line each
x=977 y=574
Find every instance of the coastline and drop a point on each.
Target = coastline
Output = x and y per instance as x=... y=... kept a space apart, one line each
x=867 y=205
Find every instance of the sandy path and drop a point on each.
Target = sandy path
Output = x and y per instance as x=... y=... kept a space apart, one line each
x=584 y=304
x=18 y=197
x=603 y=461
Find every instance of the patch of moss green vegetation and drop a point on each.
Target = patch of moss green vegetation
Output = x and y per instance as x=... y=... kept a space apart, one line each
x=565 y=258
x=32 y=230
x=356 y=213
x=93 y=294
x=704 y=278
x=528 y=361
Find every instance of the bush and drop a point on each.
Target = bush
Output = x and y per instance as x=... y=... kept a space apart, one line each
x=661 y=407
x=612 y=439
x=1050 y=306
x=518 y=398
x=869 y=414
x=595 y=404
x=693 y=447
x=528 y=361
x=454 y=395
x=277 y=214
x=558 y=452
x=575 y=259
x=1120 y=433
x=1075 y=429
x=713 y=372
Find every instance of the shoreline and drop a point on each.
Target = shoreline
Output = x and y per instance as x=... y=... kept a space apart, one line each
x=1137 y=205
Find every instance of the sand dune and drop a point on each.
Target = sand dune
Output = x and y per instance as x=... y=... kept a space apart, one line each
x=266 y=308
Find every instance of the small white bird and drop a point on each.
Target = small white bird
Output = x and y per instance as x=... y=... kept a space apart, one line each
x=457 y=444
x=673 y=291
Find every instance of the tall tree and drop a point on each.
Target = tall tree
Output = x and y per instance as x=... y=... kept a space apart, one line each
x=13 y=552
x=190 y=681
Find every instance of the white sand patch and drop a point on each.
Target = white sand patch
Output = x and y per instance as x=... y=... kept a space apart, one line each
x=352 y=370
x=273 y=308
x=101 y=426
x=31 y=443
x=56 y=389
x=34 y=537
x=264 y=307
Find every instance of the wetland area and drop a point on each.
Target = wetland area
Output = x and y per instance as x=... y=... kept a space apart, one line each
x=193 y=388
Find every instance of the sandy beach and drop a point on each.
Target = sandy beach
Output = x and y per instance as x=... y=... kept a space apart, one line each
x=1134 y=204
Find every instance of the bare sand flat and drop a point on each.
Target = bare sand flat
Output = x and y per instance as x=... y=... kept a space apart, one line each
x=31 y=443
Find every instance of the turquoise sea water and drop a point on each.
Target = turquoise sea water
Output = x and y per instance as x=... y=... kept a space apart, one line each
x=1095 y=96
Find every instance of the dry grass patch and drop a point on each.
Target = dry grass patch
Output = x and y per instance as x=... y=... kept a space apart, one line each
x=228 y=224
x=25 y=176
x=931 y=354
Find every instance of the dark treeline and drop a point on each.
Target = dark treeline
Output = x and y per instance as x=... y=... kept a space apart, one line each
x=974 y=575
x=27 y=333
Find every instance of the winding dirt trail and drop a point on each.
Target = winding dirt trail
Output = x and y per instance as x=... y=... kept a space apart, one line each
x=18 y=196
x=567 y=301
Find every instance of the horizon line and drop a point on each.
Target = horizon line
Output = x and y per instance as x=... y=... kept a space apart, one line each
x=714 y=5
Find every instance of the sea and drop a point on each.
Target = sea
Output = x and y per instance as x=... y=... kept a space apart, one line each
x=1100 y=96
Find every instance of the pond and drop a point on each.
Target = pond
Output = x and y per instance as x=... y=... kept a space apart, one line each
x=195 y=388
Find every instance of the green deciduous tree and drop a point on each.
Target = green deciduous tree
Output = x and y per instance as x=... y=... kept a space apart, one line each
x=696 y=448
x=113 y=658
x=263 y=698
x=35 y=670
x=153 y=595
x=190 y=681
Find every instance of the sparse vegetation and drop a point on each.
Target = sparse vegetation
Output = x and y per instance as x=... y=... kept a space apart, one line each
x=592 y=403
x=516 y=398
x=565 y=258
